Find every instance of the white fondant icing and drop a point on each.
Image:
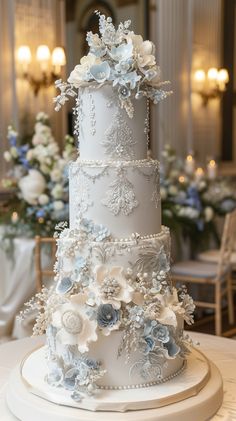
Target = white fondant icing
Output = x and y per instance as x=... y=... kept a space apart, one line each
x=194 y=395
x=116 y=253
x=124 y=197
x=110 y=124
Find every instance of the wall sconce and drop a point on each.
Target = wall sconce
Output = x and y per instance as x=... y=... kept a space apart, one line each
x=210 y=84
x=50 y=65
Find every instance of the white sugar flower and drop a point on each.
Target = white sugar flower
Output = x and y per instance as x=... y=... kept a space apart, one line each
x=111 y=286
x=169 y=307
x=122 y=52
x=143 y=50
x=73 y=324
x=32 y=186
x=80 y=72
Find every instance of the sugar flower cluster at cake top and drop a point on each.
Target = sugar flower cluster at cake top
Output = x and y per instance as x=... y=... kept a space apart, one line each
x=121 y=58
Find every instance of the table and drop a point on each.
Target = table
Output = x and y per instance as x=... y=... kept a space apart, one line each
x=17 y=283
x=221 y=351
x=17 y=286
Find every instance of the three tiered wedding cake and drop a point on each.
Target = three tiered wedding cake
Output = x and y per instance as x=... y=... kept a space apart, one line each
x=114 y=322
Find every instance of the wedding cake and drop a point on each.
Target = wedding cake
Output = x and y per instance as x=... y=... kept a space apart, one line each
x=113 y=320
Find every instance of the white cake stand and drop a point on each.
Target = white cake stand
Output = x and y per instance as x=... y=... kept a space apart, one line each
x=195 y=394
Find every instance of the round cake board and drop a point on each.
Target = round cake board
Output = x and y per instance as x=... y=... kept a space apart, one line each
x=200 y=406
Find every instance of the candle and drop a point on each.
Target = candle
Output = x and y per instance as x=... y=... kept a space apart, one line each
x=189 y=164
x=181 y=179
x=14 y=217
x=212 y=169
x=199 y=173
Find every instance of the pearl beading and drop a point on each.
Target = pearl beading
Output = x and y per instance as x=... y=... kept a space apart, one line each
x=132 y=240
x=103 y=163
x=148 y=384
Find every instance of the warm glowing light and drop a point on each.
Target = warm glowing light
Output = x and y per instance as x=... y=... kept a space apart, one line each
x=222 y=79
x=43 y=56
x=223 y=76
x=199 y=171
x=212 y=163
x=14 y=217
x=41 y=220
x=200 y=75
x=212 y=74
x=58 y=57
x=24 y=54
x=181 y=179
x=189 y=158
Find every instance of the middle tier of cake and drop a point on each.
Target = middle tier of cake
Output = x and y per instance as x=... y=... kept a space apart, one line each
x=124 y=196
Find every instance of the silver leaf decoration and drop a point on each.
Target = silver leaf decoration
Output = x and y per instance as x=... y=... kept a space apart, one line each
x=119 y=140
x=120 y=196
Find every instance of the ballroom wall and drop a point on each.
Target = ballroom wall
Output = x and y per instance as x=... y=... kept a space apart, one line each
x=31 y=22
x=188 y=36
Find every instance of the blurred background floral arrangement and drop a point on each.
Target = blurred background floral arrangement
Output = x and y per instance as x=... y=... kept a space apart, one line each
x=193 y=199
x=38 y=182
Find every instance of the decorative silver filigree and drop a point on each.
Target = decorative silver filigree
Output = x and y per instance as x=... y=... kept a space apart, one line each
x=118 y=140
x=104 y=252
x=81 y=200
x=120 y=196
x=152 y=259
x=152 y=172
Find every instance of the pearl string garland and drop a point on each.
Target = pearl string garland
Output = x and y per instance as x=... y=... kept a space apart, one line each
x=149 y=384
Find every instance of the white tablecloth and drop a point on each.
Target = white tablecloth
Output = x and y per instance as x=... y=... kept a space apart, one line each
x=220 y=350
x=17 y=282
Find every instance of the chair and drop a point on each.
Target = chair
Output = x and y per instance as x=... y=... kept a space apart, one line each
x=216 y=274
x=42 y=272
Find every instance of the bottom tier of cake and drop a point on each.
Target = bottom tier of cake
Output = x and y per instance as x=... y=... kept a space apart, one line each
x=196 y=394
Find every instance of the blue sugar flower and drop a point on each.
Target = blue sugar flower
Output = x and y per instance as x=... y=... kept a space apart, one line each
x=100 y=232
x=160 y=333
x=130 y=79
x=124 y=92
x=100 y=72
x=150 y=344
x=122 y=52
x=86 y=225
x=70 y=378
x=107 y=315
x=64 y=285
x=149 y=325
x=172 y=348
x=80 y=262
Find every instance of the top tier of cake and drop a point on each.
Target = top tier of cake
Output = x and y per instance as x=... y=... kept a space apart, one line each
x=106 y=131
